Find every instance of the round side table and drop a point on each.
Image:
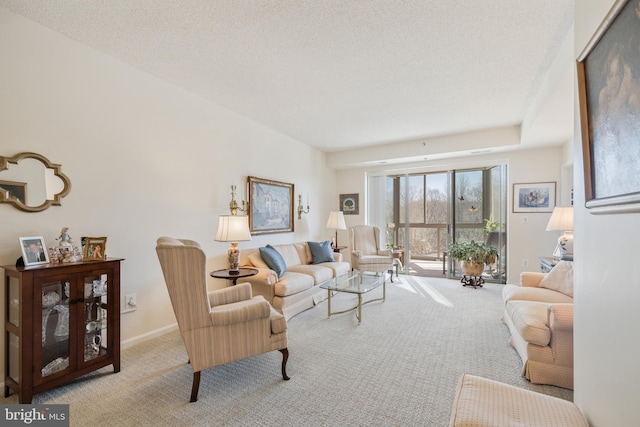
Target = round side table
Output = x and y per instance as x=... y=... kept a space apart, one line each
x=227 y=274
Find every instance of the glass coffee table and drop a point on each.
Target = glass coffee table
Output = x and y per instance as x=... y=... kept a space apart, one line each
x=355 y=283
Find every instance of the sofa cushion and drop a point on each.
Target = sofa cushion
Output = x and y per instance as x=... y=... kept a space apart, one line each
x=526 y=293
x=291 y=283
x=321 y=252
x=292 y=254
x=319 y=273
x=273 y=259
x=339 y=267
x=560 y=278
x=530 y=320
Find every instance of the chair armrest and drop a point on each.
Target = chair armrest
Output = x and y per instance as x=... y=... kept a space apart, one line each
x=230 y=295
x=337 y=256
x=265 y=275
x=356 y=254
x=560 y=317
x=238 y=312
x=560 y=320
x=531 y=279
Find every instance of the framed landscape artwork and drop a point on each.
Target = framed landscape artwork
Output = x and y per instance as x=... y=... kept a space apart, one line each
x=349 y=204
x=534 y=197
x=271 y=206
x=609 y=89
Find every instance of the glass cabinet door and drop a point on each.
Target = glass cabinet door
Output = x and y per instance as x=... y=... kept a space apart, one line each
x=53 y=300
x=95 y=316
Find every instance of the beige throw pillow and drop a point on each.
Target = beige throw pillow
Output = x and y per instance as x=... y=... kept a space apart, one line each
x=560 y=278
x=257 y=261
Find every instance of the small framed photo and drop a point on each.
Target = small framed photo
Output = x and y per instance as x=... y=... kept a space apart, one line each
x=349 y=204
x=34 y=251
x=534 y=197
x=94 y=248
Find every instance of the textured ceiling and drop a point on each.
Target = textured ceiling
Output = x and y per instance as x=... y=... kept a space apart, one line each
x=334 y=74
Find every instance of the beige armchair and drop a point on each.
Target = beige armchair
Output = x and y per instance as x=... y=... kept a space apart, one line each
x=220 y=326
x=366 y=254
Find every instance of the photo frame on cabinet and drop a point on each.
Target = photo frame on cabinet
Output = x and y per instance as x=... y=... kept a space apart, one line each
x=350 y=204
x=534 y=197
x=609 y=95
x=271 y=206
x=34 y=251
x=94 y=248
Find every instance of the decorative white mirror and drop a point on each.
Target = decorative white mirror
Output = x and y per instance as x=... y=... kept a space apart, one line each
x=31 y=183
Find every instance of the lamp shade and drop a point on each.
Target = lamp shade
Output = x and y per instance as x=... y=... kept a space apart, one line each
x=336 y=221
x=233 y=228
x=561 y=219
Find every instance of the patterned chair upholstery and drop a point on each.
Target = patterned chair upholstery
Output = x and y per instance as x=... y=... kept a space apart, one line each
x=220 y=326
x=366 y=254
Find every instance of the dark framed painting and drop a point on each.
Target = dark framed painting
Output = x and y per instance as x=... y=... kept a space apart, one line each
x=534 y=197
x=349 y=204
x=609 y=94
x=271 y=206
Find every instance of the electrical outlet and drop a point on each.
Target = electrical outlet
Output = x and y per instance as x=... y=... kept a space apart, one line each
x=130 y=303
x=525 y=263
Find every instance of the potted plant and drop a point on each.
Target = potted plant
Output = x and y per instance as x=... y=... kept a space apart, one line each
x=473 y=256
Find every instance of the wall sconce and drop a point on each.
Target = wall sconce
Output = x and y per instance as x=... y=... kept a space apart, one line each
x=300 y=208
x=233 y=205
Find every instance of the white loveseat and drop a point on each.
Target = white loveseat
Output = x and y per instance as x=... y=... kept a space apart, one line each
x=297 y=289
x=539 y=314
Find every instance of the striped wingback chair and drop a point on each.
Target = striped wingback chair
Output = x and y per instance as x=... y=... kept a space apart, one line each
x=366 y=252
x=220 y=326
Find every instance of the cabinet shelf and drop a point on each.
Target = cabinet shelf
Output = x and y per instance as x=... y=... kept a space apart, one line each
x=63 y=321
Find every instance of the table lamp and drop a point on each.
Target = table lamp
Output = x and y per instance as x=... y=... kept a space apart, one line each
x=336 y=222
x=233 y=228
x=562 y=220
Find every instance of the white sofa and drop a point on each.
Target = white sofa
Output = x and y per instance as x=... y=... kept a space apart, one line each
x=539 y=314
x=297 y=289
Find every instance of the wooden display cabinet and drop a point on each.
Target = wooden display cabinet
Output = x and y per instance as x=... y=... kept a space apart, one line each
x=61 y=321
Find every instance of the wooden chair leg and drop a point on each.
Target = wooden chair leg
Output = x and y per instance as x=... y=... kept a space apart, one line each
x=285 y=357
x=195 y=386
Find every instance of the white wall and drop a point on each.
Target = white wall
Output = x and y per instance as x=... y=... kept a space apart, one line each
x=145 y=159
x=526 y=235
x=607 y=290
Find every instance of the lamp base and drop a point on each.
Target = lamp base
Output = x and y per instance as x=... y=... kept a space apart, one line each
x=234 y=258
x=564 y=249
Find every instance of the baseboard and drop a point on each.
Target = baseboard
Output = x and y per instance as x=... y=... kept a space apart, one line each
x=148 y=336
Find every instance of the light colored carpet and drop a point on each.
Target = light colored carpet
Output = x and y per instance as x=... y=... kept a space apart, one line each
x=400 y=367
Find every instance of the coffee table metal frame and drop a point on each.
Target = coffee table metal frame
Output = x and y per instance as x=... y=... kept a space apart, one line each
x=355 y=283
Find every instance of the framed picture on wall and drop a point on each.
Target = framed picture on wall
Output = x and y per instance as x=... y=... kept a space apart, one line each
x=534 y=197
x=271 y=206
x=349 y=204
x=609 y=93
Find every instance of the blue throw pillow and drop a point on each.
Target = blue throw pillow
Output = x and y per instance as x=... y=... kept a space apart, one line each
x=273 y=259
x=321 y=252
